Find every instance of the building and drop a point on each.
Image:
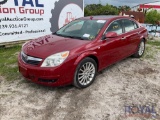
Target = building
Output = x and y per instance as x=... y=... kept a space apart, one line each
x=153 y=5
x=147 y=6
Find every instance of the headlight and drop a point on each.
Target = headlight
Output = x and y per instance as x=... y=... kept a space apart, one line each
x=55 y=59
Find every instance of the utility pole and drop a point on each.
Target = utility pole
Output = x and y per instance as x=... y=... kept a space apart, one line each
x=99 y=1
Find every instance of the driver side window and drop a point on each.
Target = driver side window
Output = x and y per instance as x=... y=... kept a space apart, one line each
x=116 y=26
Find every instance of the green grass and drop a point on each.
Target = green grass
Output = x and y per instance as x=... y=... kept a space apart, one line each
x=8 y=62
x=149 y=53
x=155 y=43
x=152 y=48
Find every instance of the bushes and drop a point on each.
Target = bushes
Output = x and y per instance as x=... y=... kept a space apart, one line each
x=152 y=17
x=98 y=9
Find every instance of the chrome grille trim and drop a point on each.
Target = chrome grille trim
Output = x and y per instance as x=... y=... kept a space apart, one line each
x=29 y=59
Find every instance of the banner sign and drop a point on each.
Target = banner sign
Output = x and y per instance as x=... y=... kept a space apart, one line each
x=29 y=19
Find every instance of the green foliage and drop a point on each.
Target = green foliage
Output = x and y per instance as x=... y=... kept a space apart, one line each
x=124 y=8
x=153 y=42
x=152 y=17
x=152 y=47
x=8 y=62
x=98 y=9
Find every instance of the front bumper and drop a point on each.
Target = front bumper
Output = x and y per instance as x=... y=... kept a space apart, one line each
x=57 y=76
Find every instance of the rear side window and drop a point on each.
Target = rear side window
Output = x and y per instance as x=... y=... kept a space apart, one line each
x=116 y=26
x=129 y=25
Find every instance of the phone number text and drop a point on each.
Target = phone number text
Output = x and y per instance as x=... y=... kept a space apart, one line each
x=13 y=26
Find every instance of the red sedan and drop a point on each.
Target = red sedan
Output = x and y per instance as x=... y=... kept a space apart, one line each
x=76 y=52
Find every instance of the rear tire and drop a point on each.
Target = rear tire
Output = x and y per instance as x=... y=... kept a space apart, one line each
x=141 y=48
x=85 y=73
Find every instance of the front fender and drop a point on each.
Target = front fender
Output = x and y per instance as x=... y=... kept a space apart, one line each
x=84 y=55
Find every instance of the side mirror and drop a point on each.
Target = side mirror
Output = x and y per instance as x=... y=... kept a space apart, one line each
x=111 y=35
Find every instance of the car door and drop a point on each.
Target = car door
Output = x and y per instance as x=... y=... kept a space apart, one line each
x=112 y=49
x=131 y=36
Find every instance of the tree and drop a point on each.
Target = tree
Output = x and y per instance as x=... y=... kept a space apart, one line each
x=152 y=17
x=124 y=8
x=98 y=9
x=93 y=6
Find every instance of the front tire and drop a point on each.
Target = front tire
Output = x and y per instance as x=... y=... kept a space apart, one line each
x=85 y=73
x=141 y=49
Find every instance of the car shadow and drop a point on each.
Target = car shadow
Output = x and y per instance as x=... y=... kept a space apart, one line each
x=48 y=88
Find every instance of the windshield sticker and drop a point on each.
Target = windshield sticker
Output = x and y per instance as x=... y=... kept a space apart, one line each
x=86 y=35
x=91 y=37
x=101 y=21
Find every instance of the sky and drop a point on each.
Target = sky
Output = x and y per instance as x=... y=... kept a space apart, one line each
x=130 y=3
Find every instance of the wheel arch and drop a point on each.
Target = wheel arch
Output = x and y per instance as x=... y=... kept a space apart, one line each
x=90 y=54
x=145 y=40
x=95 y=59
x=142 y=38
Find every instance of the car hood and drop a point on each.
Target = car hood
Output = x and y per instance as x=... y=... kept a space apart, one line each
x=51 y=44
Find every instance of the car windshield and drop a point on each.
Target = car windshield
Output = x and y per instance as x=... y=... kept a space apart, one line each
x=82 y=29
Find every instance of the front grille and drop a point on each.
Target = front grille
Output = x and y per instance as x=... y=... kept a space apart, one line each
x=29 y=59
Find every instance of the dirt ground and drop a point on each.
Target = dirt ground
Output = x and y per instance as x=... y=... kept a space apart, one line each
x=126 y=83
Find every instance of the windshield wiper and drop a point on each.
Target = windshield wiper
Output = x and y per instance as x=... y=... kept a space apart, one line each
x=76 y=37
x=59 y=34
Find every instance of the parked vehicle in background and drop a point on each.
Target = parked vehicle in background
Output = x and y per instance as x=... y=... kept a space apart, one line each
x=76 y=52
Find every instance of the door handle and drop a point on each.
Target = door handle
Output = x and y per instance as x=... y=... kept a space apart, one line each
x=123 y=38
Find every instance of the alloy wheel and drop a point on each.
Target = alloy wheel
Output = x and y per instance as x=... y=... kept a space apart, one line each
x=141 y=48
x=86 y=73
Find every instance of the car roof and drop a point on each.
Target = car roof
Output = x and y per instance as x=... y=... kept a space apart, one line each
x=104 y=17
